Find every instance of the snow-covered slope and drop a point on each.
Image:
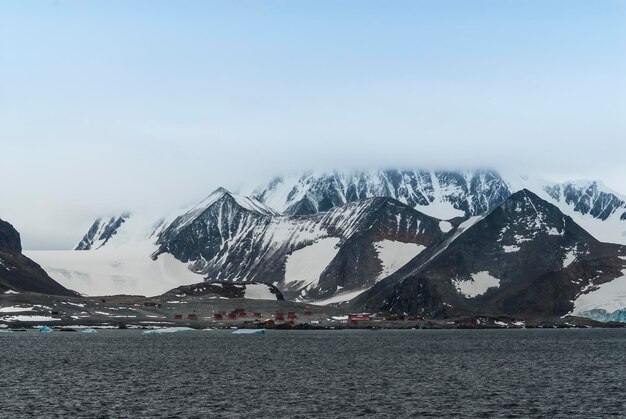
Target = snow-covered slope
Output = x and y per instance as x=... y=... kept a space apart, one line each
x=121 y=270
x=609 y=296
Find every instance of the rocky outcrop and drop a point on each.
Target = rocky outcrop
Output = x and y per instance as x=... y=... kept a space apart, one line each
x=251 y=290
x=17 y=272
x=9 y=238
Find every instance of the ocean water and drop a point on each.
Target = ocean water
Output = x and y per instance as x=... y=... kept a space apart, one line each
x=315 y=374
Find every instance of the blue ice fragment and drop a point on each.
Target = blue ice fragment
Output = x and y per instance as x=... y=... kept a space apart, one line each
x=249 y=332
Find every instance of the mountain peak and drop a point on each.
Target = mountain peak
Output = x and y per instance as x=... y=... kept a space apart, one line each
x=245 y=202
x=101 y=231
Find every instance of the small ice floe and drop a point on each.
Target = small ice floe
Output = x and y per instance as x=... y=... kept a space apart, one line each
x=249 y=332
x=89 y=330
x=168 y=330
x=45 y=329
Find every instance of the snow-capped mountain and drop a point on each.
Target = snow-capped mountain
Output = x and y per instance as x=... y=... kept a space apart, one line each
x=599 y=210
x=440 y=194
x=330 y=237
x=307 y=257
x=525 y=259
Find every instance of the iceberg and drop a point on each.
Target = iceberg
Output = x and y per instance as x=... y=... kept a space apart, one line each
x=249 y=332
x=89 y=330
x=168 y=330
x=45 y=329
x=601 y=315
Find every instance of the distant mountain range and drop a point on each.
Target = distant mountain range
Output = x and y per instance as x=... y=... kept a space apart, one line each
x=437 y=243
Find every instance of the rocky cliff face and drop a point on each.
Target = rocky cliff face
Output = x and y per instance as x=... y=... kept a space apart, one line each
x=588 y=198
x=17 y=272
x=9 y=238
x=525 y=258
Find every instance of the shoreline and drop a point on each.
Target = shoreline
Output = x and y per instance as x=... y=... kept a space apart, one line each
x=202 y=312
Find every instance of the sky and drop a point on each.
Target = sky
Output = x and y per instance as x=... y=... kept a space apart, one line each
x=108 y=106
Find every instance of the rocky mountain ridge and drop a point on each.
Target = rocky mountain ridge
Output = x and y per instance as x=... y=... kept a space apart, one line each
x=329 y=238
x=227 y=241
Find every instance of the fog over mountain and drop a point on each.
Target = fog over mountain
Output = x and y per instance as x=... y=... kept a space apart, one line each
x=99 y=115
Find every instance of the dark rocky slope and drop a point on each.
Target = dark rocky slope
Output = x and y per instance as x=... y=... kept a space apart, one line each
x=19 y=273
x=525 y=259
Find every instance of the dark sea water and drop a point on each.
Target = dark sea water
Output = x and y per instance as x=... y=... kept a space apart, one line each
x=311 y=374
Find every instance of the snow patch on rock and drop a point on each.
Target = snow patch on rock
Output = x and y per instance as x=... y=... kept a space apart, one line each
x=305 y=265
x=510 y=249
x=259 y=292
x=445 y=226
x=477 y=285
x=339 y=298
x=394 y=254
x=15 y=309
x=569 y=258
x=24 y=318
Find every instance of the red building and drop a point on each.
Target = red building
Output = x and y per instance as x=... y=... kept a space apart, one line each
x=218 y=316
x=354 y=319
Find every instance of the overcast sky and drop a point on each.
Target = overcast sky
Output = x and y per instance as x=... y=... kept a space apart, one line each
x=114 y=105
